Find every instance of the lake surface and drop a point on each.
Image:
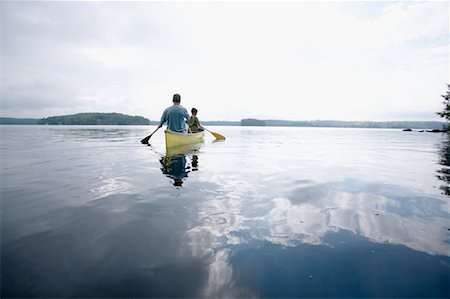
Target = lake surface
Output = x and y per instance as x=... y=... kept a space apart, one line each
x=88 y=211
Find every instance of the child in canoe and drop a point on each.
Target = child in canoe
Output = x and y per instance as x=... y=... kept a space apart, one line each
x=194 y=123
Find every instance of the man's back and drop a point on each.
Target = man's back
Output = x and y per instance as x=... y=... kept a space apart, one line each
x=175 y=116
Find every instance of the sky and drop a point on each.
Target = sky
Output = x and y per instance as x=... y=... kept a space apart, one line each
x=294 y=60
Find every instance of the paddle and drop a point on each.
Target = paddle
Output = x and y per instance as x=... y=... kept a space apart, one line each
x=217 y=135
x=145 y=140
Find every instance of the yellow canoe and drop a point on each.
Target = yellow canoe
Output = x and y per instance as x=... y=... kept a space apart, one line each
x=177 y=139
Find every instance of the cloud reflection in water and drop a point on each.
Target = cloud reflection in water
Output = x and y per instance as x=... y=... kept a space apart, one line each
x=308 y=215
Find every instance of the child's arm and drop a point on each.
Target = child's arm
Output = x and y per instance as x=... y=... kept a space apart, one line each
x=199 y=124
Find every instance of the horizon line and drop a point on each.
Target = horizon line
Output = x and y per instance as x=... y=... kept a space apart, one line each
x=262 y=119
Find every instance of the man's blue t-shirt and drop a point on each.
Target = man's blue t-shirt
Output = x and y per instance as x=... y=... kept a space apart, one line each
x=176 y=117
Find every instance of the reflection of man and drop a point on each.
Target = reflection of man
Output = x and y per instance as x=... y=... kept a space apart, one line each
x=175 y=168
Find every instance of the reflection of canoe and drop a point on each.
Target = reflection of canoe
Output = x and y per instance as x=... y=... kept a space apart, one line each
x=177 y=139
x=182 y=149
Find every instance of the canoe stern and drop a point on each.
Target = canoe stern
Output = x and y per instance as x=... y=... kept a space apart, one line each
x=177 y=139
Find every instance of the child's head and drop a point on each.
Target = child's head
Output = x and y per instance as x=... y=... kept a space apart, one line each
x=194 y=111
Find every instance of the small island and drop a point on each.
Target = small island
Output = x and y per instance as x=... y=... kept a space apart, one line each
x=93 y=118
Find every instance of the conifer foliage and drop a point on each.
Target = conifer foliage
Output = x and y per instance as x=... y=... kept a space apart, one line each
x=446 y=112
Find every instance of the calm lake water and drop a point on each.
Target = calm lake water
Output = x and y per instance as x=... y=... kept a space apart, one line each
x=88 y=211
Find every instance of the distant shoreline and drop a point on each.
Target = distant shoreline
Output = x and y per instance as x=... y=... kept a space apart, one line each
x=247 y=122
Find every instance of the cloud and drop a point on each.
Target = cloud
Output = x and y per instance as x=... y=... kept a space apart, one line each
x=37 y=94
x=292 y=60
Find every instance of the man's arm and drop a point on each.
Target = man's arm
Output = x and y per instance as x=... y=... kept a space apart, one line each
x=185 y=114
x=163 y=118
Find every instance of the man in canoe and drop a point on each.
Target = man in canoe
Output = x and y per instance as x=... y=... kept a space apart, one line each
x=175 y=116
x=194 y=123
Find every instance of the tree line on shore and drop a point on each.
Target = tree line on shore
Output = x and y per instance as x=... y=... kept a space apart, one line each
x=123 y=119
x=93 y=118
x=344 y=124
x=90 y=118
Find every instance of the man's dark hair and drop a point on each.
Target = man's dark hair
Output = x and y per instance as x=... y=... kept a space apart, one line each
x=176 y=98
x=193 y=110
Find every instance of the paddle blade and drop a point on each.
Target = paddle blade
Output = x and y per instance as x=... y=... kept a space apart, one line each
x=218 y=136
x=145 y=140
